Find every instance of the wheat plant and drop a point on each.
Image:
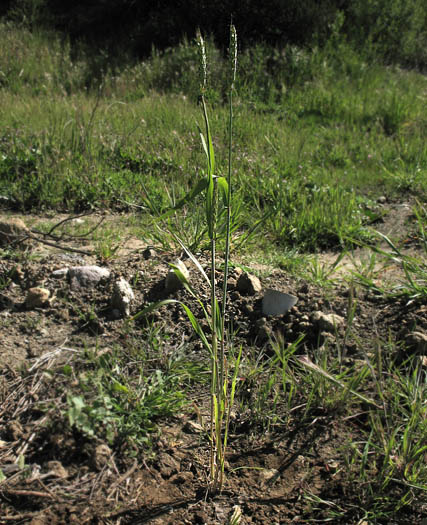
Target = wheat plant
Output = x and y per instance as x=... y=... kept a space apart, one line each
x=223 y=374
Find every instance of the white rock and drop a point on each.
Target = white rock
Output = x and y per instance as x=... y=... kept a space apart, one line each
x=248 y=284
x=173 y=282
x=123 y=297
x=328 y=322
x=87 y=276
x=277 y=303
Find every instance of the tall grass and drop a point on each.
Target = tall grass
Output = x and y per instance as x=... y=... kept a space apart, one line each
x=224 y=368
x=222 y=391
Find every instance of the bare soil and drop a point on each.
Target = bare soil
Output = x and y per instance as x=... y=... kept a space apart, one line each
x=288 y=472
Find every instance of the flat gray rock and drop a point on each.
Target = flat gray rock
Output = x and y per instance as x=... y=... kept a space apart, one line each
x=277 y=303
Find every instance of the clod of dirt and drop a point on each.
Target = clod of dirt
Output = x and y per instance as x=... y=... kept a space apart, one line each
x=123 y=297
x=57 y=470
x=101 y=457
x=37 y=297
x=248 y=284
x=167 y=465
x=14 y=431
x=416 y=342
x=268 y=474
x=264 y=330
x=149 y=253
x=173 y=282
x=328 y=322
x=39 y=520
x=87 y=276
x=14 y=231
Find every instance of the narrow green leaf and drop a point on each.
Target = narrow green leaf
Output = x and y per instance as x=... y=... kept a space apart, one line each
x=205 y=147
x=223 y=187
x=187 y=199
x=118 y=387
x=210 y=206
x=21 y=461
x=196 y=326
x=305 y=361
x=151 y=308
x=195 y=261
x=211 y=154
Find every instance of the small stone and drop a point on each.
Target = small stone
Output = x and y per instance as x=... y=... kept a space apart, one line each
x=57 y=470
x=13 y=230
x=231 y=283
x=123 y=297
x=87 y=276
x=173 y=282
x=264 y=330
x=167 y=465
x=328 y=322
x=149 y=253
x=327 y=337
x=182 y=477
x=192 y=427
x=248 y=284
x=417 y=342
x=267 y=474
x=37 y=297
x=102 y=456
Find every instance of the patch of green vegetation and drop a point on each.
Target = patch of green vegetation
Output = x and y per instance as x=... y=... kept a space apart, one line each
x=277 y=389
x=316 y=132
x=122 y=394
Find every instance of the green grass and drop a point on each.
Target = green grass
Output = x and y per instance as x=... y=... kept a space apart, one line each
x=122 y=394
x=315 y=136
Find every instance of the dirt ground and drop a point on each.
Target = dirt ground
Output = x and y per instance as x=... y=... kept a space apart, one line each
x=288 y=473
